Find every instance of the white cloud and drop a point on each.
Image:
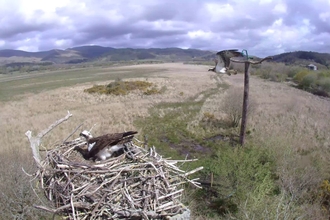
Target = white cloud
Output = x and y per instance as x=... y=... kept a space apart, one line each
x=201 y=34
x=325 y=16
x=280 y=8
x=219 y=12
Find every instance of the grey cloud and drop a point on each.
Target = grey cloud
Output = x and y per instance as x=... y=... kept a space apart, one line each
x=15 y=24
x=134 y=25
x=298 y=11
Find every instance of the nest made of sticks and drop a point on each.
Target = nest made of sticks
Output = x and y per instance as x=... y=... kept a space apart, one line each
x=139 y=183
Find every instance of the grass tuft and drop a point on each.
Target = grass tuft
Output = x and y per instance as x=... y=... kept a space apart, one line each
x=124 y=87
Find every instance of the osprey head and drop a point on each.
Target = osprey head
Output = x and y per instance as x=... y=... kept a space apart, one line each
x=86 y=134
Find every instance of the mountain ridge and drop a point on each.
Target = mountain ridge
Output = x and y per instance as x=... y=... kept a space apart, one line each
x=99 y=53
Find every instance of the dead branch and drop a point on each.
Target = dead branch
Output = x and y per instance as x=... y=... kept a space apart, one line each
x=35 y=141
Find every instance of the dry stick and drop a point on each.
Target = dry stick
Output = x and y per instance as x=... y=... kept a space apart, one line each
x=74 y=131
x=72 y=207
x=98 y=204
x=246 y=91
x=35 y=141
x=76 y=204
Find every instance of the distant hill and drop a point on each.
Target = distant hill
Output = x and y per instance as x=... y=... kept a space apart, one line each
x=105 y=54
x=21 y=53
x=98 y=53
x=304 y=58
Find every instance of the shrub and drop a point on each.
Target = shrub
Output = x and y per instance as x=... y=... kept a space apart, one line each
x=232 y=106
x=119 y=87
x=309 y=81
x=300 y=75
x=239 y=174
x=152 y=91
x=293 y=70
x=101 y=89
x=325 y=195
x=325 y=84
x=324 y=74
x=277 y=72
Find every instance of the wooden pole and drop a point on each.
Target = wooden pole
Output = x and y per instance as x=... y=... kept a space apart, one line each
x=245 y=103
x=246 y=91
x=211 y=179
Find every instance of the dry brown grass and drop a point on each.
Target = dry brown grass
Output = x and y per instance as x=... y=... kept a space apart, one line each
x=110 y=113
x=295 y=117
x=286 y=118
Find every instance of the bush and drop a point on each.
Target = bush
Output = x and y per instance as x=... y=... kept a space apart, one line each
x=325 y=195
x=277 y=72
x=152 y=91
x=239 y=174
x=119 y=87
x=309 y=81
x=300 y=75
x=325 y=84
x=232 y=106
x=293 y=70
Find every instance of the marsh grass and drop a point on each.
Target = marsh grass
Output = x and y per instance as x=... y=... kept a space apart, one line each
x=174 y=137
x=120 y=87
x=276 y=176
x=277 y=72
x=17 y=197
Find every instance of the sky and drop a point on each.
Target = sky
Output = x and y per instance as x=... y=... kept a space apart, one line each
x=262 y=27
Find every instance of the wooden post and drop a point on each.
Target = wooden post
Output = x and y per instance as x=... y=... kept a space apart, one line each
x=211 y=179
x=245 y=103
x=246 y=92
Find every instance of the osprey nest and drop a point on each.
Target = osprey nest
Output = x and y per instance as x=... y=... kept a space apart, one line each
x=138 y=184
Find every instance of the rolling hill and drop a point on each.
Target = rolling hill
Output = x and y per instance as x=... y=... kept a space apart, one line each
x=109 y=54
x=304 y=58
x=95 y=53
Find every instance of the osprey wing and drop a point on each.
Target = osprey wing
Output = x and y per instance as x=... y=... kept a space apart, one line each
x=109 y=140
x=225 y=56
x=98 y=144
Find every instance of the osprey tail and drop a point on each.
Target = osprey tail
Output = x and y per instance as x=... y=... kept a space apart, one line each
x=128 y=133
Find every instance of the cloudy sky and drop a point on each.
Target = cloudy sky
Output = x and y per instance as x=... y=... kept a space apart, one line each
x=263 y=27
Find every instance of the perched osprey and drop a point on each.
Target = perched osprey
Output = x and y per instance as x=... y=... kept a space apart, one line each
x=104 y=146
x=222 y=63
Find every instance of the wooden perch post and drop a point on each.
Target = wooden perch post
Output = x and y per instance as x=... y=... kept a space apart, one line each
x=35 y=141
x=247 y=63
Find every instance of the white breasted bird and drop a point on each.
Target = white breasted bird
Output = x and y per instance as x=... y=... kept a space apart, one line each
x=222 y=63
x=103 y=147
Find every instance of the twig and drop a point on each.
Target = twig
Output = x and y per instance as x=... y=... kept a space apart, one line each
x=74 y=131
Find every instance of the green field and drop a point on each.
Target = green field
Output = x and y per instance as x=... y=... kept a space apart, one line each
x=17 y=85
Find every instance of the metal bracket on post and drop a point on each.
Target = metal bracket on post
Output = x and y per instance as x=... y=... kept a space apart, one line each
x=247 y=62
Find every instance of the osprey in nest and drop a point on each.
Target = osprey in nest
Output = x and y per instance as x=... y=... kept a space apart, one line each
x=222 y=63
x=103 y=147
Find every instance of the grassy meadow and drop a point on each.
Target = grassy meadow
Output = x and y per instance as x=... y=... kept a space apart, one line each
x=281 y=173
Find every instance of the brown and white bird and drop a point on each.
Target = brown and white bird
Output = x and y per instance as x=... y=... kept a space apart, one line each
x=103 y=147
x=222 y=63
